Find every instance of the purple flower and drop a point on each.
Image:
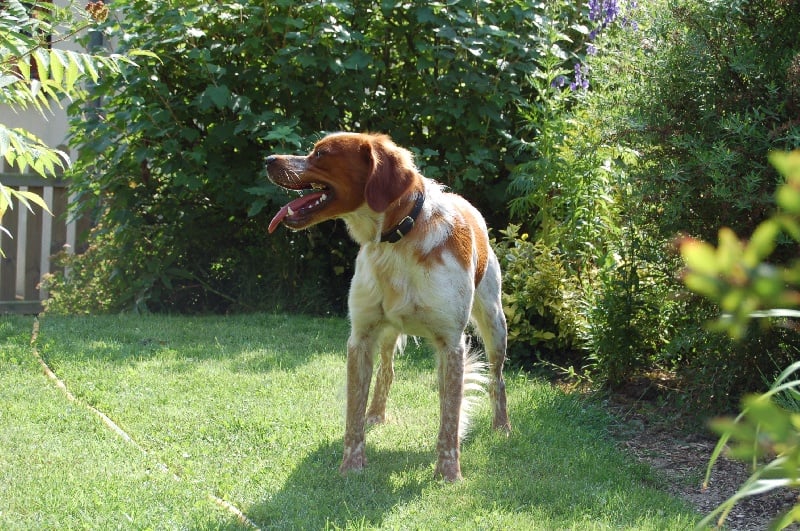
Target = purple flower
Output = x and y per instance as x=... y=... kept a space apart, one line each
x=603 y=11
x=611 y=11
x=595 y=7
x=581 y=81
x=558 y=82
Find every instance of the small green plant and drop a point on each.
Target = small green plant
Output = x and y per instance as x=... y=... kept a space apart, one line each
x=539 y=300
x=735 y=274
x=626 y=316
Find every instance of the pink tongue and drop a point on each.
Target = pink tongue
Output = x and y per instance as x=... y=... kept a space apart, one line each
x=295 y=205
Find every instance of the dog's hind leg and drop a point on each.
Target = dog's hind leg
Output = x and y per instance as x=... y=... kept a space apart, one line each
x=391 y=343
x=487 y=313
x=451 y=393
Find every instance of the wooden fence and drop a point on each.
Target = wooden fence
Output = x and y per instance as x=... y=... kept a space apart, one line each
x=37 y=236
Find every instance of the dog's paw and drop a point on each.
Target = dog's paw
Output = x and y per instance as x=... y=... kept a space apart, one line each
x=502 y=425
x=448 y=470
x=354 y=459
x=500 y=421
x=376 y=418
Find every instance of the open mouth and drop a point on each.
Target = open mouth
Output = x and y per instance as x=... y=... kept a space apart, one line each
x=296 y=212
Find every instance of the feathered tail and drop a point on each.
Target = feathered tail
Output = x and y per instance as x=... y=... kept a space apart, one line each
x=475 y=381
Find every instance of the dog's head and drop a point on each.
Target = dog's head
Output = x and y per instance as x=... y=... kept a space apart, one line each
x=341 y=173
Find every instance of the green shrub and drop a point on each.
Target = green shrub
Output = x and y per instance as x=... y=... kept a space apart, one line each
x=141 y=271
x=672 y=137
x=631 y=315
x=539 y=298
x=172 y=156
x=718 y=96
x=570 y=194
x=722 y=94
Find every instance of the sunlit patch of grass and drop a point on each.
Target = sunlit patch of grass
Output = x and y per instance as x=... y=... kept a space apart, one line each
x=250 y=409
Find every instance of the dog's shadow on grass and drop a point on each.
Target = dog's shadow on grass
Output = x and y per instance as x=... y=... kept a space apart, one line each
x=558 y=464
x=317 y=496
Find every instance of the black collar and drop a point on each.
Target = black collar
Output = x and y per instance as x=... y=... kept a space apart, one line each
x=406 y=224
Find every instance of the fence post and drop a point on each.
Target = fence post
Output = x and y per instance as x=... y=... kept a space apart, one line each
x=22 y=255
x=47 y=238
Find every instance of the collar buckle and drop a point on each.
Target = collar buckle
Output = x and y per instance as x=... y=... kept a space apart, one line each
x=397 y=232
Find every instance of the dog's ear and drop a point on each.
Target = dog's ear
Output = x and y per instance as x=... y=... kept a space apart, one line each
x=392 y=173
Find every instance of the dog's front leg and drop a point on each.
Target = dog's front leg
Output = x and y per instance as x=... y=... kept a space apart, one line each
x=359 y=375
x=376 y=414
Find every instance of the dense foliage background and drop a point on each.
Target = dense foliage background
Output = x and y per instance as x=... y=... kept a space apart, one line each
x=590 y=133
x=174 y=156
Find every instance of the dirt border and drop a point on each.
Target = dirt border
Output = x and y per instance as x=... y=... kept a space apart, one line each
x=681 y=455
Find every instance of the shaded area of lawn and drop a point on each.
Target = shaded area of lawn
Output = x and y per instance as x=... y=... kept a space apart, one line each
x=250 y=409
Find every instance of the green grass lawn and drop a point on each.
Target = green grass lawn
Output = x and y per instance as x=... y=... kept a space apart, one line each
x=250 y=409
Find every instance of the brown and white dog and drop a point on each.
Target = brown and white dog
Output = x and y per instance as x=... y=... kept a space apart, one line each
x=425 y=268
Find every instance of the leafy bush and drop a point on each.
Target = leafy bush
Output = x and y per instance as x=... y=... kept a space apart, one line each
x=539 y=298
x=570 y=193
x=631 y=314
x=172 y=160
x=717 y=96
x=723 y=94
x=737 y=277
x=653 y=148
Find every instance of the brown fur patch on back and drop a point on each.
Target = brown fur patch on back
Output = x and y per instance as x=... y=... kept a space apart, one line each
x=464 y=239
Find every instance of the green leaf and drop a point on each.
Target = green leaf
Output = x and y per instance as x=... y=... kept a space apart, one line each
x=702 y=284
x=217 y=95
x=6 y=81
x=729 y=251
x=762 y=242
x=89 y=66
x=787 y=163
x=24 y=68
x=5 y=142
x=768 y=284
x=699 y=256
x=26 y=196
x=5 y=200
x=42 y=60
x=790 y=225
x=143 y=53
x=73 y=73
x=58 y=63
x=788 y=197
x=357 y=60
x=256 y=207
